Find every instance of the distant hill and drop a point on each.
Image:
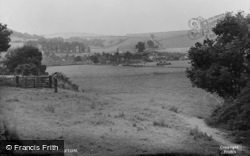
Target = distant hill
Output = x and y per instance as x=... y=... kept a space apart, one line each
x=69 y=35
x=172 y=41
x=18 y=38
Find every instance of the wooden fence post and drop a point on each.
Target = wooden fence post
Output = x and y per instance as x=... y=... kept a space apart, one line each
x=17 y=81
x=50 y=81
x=55 y=85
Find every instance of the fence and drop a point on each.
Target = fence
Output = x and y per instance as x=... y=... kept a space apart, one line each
x=7 y=80
x=34 y=81
x=29 y=81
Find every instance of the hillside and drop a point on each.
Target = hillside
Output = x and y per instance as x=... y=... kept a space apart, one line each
x=18 y=38
x=73 y=34
x=168 y=41
x=172 y=41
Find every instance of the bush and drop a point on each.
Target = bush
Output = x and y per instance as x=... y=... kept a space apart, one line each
x=197 y=134
x=120 y=115
x=174 y=109
x=64 y=82
x=27 y=69
x=234 y=115
x=161 y=123
x=4 y=71
x=26 y=60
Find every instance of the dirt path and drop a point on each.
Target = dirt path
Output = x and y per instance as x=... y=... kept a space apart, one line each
x=216 y=134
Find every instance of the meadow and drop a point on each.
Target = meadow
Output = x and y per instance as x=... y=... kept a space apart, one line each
x=165 y=86
x=122 y=111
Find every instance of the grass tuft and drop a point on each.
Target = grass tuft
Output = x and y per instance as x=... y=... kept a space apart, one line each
x=50 y=108
x=197 y=134
x=174 y=109
x=93 y=105
x=161 y=123
x=14 y=99
x=120 y=115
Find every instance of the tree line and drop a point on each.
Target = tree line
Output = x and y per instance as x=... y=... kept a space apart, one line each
x=58 y=45
x=117 y=58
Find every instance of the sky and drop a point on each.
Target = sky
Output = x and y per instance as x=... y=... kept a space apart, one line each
x=110 y=17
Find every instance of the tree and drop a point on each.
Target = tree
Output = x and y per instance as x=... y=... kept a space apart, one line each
x=4 y=37
x=94 y=59
x=150 y=43
x=117 y=57
x=140 y=46
x=103 y=58
x=78 y=59
x=27 y=69
x=128 y=56
x=25 y=60
x=145 y=58
x=219 y=66
x=137 y=56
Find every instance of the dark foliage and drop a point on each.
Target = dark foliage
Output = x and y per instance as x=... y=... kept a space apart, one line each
x=127 y=56
x=25 y=60
x=4 y=71
x=94 y=58
x=64 y=82
x=28 y=69
x=150 y=43
x=4 y=37
x=140 y=46
x=234 y=115
x=220 y=66
x=78 y=59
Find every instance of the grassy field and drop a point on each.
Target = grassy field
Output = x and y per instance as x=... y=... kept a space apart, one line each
x=157 y=86
x=122 y=111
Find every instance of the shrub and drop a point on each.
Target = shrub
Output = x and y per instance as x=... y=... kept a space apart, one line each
x=174 y=109
x=197 y=134
x=26 y=60
x=27 y=69
x=4 y=71
x=64 y=82
x=161 y=123
x=120 y=115
x=234 y=114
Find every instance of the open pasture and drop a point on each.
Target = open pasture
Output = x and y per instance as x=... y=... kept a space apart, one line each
x=147 y=86
x=122 y=111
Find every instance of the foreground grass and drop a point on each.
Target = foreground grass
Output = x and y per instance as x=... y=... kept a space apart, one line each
x=96 y=125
